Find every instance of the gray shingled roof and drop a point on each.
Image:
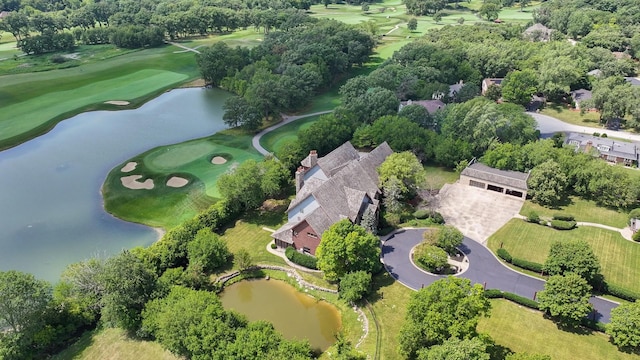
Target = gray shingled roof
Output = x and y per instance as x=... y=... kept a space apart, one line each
x=338 y=158
x=617 y=148
x=581 y=95
x=431 y=105
x=341 y=196
x=512 y=179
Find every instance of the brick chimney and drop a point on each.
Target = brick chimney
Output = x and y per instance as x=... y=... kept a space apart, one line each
x=313 y=158
x=300 y=178
x=587 y=148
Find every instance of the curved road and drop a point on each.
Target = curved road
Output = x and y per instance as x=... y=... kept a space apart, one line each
x=484 y=269
x=286 y=119
x=549 y=125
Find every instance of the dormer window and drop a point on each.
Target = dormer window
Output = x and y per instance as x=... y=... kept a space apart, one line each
x=603 y=148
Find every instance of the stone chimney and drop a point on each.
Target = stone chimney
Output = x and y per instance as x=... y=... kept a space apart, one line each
x=300 y=178
x=587 y=148
x=313 y=158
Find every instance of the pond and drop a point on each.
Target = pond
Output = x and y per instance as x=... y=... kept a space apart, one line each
x=51 y=212
x=295 y=314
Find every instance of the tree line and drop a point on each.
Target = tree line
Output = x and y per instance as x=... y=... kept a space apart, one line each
x=285 y=71
x=139 y=22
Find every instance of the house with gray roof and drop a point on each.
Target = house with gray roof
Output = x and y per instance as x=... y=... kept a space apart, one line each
x=431 y=105
x=538 y=32
x=579 y=96
x=487 y=83
x=614 y=151
x=341 y=185
x=513 y=183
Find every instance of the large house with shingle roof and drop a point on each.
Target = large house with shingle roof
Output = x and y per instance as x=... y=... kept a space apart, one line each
x=341 y=185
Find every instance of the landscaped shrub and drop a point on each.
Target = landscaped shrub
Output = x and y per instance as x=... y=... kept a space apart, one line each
x=563 y=225
x=301 y=259
x=436 y=217
x=622 y=293
x=563 y=217
x=604 y=135
x=636 y=236
x=634 y=214
x=528 y=265
x=533 y=217
x=504 y=255
x=57 y=59
x=274 y=246
x=421 y=214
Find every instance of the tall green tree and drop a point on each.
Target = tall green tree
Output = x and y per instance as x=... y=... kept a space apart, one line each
x=624 y=327
x=23 y=301
x=519 y=86
x=449 y=238
x=346 y=247
x=406 y=168
x=566 y=298
x=573 y=256
x=238 y=112
x=207 y=250
x=490 y=9
x=547 y=183
x=456 y=349
x=220 y=60
x=354 y=286
x=449 y=307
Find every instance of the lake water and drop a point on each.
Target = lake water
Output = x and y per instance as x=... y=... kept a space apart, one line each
x=296 y=315
x=51 y=212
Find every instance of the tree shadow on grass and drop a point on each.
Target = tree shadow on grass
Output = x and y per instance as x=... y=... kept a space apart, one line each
x=380 y=281
x=76 y=349
x=498 y=352
x=568 y=327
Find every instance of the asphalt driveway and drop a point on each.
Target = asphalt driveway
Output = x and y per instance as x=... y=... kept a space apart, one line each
x=484 y=268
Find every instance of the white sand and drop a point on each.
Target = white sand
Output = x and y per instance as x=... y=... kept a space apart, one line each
x=131 y=182
x=117 y=102
x=131 y=165
x=218 y=160
x=177 y=182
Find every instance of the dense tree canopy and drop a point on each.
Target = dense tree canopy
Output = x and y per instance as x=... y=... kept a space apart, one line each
x=449 y=307
x=252 y=182
x=573 y=256
x=23 y=301
x=566 y=298
x=456 y=349
x=547 y=183
x=345 y=248
x=624 y=327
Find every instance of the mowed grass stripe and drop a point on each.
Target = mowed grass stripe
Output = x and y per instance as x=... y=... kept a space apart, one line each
x=618 y=257
x=25 y=116
x=524 y=330
x=582 y=210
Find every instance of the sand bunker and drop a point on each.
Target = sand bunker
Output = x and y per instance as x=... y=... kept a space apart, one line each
x=131 y=165
x=218 y=160
x=131 y=182
x=177 y=182
x=117 y=102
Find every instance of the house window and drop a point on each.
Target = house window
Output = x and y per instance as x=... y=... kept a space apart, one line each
x=306 y=250
x=604 y=148
x=574 y=142
x=628 y=162
x=611 y=158
x=295 y=233
x=312 y=235
x=477 y=184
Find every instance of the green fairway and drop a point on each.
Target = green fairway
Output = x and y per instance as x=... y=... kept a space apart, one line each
x=582 y=210
x=520 y=329
x=33 y=103
x=619 y=258
x=165 y=206
x=274 y=140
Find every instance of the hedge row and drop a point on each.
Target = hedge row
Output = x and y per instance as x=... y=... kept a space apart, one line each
x=563 y=225
x=434 y=216
x=499 y=294
x=563 y=217
x=622 y=293
x=528 y=265
x=301 y=259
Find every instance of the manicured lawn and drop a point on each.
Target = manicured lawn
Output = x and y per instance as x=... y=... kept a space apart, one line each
x=437 y=176
x=524 y=330
x=165 y=206
x=590 y=119
x=113 y=344
x=274 y=140
x=582 y=210
x=32 y=103
x=619 y=258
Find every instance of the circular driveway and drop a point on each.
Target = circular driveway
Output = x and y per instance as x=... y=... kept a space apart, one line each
x=484 y=269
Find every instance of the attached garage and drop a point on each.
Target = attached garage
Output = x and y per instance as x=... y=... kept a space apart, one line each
x=511 y=183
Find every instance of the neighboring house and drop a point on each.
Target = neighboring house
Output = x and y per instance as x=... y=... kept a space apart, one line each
x=341 y=185
x=479 y=175
x=538 y=32
x=634 y=81
x=617 y=152
x=455 y=89
x=595 y=72
x=3 y=14
x=486 y=83
x=579 y=96
x=431 y=105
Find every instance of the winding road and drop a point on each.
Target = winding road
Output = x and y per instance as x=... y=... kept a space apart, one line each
x=549 y=125
x=285 y=120
x=484 y=268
